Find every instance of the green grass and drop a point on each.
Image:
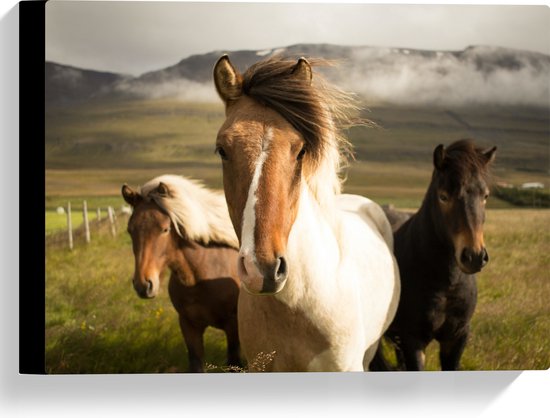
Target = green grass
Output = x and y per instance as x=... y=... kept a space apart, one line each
x=92 y=149
x=171 y=135
x=514 y=288
x=131 y=134
x=407 y=134
x=95 y=323
x=58 y=222
x=101 y=187
x=93 y=202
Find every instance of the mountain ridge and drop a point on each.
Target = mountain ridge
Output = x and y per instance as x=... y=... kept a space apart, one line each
x=477 y=74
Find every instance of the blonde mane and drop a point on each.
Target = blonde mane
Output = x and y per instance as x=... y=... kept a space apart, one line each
x=201 y=213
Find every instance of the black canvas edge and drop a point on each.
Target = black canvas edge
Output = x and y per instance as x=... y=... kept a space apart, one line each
x=32 y=284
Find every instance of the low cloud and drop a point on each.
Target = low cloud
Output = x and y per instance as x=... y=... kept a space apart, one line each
x=181 y=89
x=70 y=76
x=477 y=76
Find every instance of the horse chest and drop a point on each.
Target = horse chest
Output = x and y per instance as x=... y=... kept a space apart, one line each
x=208 y=302
x=288 y=333
x=435 y=301
x=450 y=309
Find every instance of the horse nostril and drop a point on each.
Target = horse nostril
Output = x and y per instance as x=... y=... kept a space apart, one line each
x=242 y=267
x=485 y=257
x=281 y=269
x=149 y=287
x=466 y=256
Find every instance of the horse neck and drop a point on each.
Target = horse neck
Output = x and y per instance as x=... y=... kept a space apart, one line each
x=424 y=222
x=324 y=183
x=182 y=261
x=428 y=241
x=312 y=237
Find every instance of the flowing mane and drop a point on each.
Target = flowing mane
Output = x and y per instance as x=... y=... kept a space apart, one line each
x=201 y=213
x=317 y=110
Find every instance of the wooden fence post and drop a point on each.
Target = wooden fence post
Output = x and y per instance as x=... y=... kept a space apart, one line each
x=98 y=215
x=112 y=220
x=69 y=225
x=86 y=224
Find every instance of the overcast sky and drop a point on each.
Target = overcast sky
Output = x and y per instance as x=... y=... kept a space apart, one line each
x=136 y=37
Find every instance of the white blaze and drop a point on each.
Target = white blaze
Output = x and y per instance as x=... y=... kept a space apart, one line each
x=249 y=213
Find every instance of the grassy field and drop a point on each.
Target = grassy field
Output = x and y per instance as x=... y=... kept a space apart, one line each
x=101 y=140
x=92 y=149
x=96 y=324
x=131 y=134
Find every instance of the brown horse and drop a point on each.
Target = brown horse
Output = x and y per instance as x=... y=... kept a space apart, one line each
x=439 y=249
x=178 y=224
x=321 y=284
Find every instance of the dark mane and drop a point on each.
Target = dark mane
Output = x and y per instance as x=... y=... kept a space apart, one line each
x=463 y=160
x=315 y=109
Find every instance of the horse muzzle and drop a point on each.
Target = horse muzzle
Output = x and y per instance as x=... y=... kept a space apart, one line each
x=472 y=261
x=262 y=278
x=145 y=289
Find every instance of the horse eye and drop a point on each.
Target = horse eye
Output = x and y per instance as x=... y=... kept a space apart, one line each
x=221 y=152
x=443 y=197
x=165 y=230
x=301 y=154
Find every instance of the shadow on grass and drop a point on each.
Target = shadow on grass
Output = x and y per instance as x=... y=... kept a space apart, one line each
x=87 y=351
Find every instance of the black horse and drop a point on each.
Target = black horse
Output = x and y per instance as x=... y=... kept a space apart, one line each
x=439 y=249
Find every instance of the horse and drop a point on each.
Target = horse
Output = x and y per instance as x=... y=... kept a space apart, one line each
x=320 y=282
x=439 y=249
x=179 y=224
x=395 y=217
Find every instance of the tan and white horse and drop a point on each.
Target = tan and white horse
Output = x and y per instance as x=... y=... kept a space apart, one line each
x=321 y=282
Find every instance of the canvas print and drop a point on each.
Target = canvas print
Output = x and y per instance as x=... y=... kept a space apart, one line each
x=279 y=187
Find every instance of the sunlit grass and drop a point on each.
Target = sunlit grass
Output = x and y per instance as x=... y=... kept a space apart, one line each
x=95 y=323
x=56 y=222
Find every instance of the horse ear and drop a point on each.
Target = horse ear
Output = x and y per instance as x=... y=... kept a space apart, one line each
x=439 y=156
x=302 y=69
x=130 y=196
x=163 y=190
x=489 y=155
x=228 y=81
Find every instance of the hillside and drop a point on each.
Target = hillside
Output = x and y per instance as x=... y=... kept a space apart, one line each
x=66 y=84
x=476 y=75
x=93 y=148
x=112 y=128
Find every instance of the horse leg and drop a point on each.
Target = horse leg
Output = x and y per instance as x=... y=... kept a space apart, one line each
x=399 y=357
x=413 y=354
x=233 y=345
x=379 y=362
x=193 y=337
x=450 y=351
